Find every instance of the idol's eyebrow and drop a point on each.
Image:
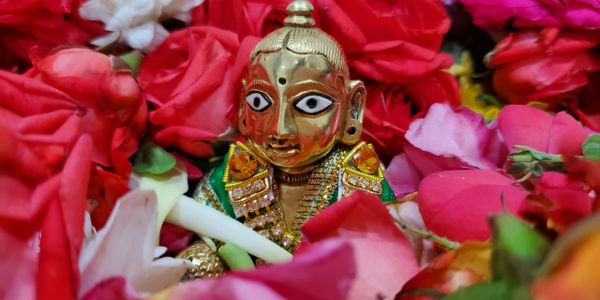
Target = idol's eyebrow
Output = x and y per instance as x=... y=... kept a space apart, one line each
x=261 y=82
x=308 y=85
x=262 y=85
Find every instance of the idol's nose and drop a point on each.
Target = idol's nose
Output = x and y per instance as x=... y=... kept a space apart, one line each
x=285 y=125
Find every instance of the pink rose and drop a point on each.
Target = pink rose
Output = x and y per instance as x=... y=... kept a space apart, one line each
x=448 y=139
x=528 y=126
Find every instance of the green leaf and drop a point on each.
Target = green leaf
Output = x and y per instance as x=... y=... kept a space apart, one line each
x=235 y=257
x=591 y=147
x=483 y=290
x=133 y=59
x=538 y=170
x=518 y=250
x=152 y=159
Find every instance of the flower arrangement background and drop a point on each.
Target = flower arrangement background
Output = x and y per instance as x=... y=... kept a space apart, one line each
x=484 y=112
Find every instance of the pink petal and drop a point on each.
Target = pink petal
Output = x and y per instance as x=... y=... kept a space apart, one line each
x=455 y=204
x=566 y=135
x=402 y=176
x=524 y=125
x=112 y=288
x=451 y=135
x=383 y=255
x=325 y=271
x=528 y=126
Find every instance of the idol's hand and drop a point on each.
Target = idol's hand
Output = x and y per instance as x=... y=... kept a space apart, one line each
x=207 y=221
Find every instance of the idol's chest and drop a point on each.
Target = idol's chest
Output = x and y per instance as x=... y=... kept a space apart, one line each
x=277 y=205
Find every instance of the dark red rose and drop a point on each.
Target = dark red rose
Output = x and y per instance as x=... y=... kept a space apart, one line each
x=547 y=65
x=42 y=24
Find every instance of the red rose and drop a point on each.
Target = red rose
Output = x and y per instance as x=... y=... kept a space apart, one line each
x=569 y=201
x=391 y=42
x=113 y=109
x=244 y=17
x=548 y=65
x=44 y=170
x=587 y=109
x=391 y=108
x=397 y=45
x=43 y=24
x=90 y=94
x=193 y=78
x=386 y=118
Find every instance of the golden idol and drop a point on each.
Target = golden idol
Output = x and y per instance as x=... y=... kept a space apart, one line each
x=301 y=114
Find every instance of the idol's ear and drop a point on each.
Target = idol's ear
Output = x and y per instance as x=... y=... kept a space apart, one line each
x=241 y=110
x=354 y=114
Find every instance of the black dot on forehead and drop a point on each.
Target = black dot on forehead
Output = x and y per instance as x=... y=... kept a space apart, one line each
x=282 y=80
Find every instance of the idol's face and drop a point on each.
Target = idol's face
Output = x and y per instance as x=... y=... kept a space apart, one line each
x=292 y=106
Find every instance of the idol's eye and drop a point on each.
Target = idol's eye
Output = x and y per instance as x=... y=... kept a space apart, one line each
x=258 y=101
x=313 y=104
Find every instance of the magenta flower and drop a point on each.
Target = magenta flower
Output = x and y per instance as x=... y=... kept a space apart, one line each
x=581 y=14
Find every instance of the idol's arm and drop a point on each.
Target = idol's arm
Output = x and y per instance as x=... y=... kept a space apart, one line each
x=207 y=221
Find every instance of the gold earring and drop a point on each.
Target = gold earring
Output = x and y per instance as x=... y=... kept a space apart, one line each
x=352 y=132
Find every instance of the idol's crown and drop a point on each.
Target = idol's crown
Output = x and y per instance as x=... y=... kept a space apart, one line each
x=299 y=14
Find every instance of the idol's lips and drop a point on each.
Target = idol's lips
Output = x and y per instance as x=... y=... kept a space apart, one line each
x=283 y=151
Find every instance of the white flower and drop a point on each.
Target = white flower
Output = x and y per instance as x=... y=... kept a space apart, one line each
x=125 y=247
x=136 y=22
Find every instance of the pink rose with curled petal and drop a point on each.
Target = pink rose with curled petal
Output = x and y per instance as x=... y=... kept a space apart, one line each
x=580 y=14
x=448 y=138
x=456 y=204
x=535 y=128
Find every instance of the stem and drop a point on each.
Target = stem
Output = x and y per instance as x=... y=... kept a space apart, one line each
x=556 y=158
x=445 y=243
x=524 y=178
x=521 y=158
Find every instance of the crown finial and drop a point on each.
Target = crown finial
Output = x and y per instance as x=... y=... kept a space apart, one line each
x=299 y=14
